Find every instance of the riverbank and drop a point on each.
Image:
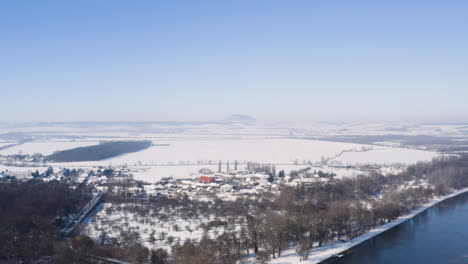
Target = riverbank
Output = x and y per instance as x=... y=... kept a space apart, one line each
x=320 y=254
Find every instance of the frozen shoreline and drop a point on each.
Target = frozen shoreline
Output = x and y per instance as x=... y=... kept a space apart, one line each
x=316 y=255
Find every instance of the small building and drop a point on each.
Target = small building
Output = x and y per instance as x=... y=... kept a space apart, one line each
x=102 y=189
x=226 y=188
x=206 y=179
x=20 y=175
x=153 y=193
x=223 y=175
x=134 y=190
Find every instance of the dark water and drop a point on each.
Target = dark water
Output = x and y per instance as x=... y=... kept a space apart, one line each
x=437 y=236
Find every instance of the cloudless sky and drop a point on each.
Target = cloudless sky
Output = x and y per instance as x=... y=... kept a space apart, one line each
x=205 y=60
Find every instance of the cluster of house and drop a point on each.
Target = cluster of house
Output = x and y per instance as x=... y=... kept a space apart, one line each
x=19 y=175
x=98 y=178
x=234 y=183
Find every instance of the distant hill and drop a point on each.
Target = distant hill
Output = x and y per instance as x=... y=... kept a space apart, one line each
x=240 y=119
x=99 y=152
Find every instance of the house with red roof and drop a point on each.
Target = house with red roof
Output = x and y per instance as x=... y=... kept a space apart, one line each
x=206 y=179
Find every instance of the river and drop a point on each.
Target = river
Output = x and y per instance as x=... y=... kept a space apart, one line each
x=437 y=236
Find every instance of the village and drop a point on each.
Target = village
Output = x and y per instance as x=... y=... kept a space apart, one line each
x=224 y=184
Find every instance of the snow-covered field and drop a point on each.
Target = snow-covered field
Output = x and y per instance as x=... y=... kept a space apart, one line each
x=181 y=158
x=41 y=169
x=213 y=130
x=45 y=147
x=275 y=151
x=192 y=146
x=387 y=155
x=3 y=144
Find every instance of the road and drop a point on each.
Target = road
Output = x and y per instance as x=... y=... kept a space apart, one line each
x=68 y=229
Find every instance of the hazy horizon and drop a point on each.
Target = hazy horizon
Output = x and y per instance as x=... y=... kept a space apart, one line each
x=359 y=61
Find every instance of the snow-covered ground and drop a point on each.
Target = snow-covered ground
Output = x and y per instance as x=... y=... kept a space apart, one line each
x=321 y=253
x=181 y=158
x=3 y=144
x=182 y=149
x=45 y=147
x=184 y=157
x=22 y=169
x=113 y=220
x=386 y=155
x=275 y=151
x=259 y=128
x=347 y=129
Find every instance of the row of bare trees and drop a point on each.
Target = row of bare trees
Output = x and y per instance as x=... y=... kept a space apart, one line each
x=320 y=213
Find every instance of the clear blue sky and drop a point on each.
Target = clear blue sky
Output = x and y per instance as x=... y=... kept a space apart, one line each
x=202 y=60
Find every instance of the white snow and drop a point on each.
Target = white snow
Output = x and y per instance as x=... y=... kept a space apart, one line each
x=45 y=147
x=3 y=144
x=277 y=151
x=121 y=220
x=386 y=155
x=181 y=158
x=22 y=169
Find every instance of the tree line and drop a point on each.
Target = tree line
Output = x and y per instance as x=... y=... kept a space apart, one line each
x=31 y=213
x=98 y=152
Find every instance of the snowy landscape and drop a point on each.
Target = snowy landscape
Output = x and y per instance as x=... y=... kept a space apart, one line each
x=231 y=157
x=179 y=154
